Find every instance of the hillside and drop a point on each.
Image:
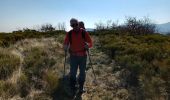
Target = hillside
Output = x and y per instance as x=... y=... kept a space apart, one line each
x=44 y=59
x=127 y=67
x=163 y=28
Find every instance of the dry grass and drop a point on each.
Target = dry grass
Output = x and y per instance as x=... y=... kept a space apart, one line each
x=8 y=63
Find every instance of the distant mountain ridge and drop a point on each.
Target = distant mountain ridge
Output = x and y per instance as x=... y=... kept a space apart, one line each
x=163 y=28
x=90 y=29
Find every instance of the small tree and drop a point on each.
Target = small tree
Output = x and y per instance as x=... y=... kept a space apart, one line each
x=114 y=25
x=100 y=26
x=141 y=26
x=27 y=30
x=61 y=26
x=109 y=25
x=47 y=28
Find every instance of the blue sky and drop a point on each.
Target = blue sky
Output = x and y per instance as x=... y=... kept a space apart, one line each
x=18 y=14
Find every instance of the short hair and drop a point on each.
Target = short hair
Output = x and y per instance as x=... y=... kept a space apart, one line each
x=74 y=20
x=81 y=24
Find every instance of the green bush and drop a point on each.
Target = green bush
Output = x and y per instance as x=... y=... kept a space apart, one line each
x=8 y=63
x=155 y=38
x=36 y=61
x=153 y=88
x=146 y=57
x=149 y=54
x=7 y=90
x=23 y=85
x=6 y=39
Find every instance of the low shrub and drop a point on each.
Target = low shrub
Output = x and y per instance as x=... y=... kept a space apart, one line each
x=146 y=57
x=7 y=90
x=8 y=63
x=23 y=85
x=36 y=61
x=52 y=81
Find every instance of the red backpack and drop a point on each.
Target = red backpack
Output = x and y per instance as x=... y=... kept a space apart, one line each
x=70 y=35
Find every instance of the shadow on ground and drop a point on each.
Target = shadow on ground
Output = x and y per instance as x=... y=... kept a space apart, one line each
x=63 y=92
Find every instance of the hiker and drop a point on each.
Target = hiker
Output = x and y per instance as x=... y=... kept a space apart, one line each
x=77 y=41
x=81 y=25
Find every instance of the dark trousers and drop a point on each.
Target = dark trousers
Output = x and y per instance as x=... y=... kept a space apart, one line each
x=75 y=63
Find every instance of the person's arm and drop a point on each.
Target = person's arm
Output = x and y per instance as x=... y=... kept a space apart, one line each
x=88 y=40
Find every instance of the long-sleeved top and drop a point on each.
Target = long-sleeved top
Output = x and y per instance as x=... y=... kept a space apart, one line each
x=77 y=44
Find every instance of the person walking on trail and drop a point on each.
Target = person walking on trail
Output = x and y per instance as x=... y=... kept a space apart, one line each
x=77 y=41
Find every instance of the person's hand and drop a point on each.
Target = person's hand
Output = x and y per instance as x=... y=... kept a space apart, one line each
x=86 y=46
x=65 y=48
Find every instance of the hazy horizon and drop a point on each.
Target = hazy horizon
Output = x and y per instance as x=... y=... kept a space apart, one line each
x=20 y=14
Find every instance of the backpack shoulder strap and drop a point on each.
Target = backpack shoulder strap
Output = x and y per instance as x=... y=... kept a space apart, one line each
x=69 y=36
x=84 y=34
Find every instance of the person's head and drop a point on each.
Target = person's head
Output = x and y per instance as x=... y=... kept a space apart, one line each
x=81 y=24
x=74 y=24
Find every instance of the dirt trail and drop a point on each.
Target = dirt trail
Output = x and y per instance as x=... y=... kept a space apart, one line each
x=110 y=85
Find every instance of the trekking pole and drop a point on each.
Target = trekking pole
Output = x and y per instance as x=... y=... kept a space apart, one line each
x=91 y=65
x=64 y=63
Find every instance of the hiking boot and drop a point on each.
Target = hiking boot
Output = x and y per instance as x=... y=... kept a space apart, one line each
x=71 y=92
x=81 y=91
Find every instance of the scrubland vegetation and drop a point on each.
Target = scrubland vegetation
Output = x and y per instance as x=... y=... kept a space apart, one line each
x=146 y=57
x=131 y=61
